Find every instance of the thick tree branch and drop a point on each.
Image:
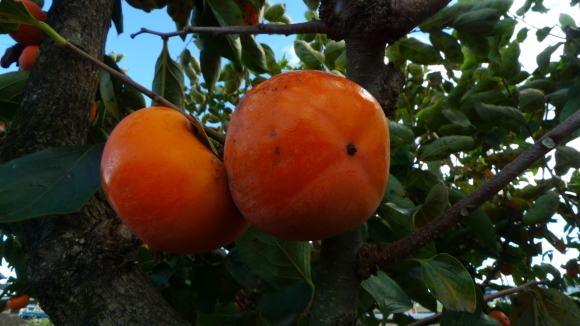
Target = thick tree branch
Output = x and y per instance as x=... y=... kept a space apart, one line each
x=435 y=318
x=373 y=258
x=312 y=27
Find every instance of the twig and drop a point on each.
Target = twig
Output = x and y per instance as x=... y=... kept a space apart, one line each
x=372 y=258
x=435 y=318
x=155 y=97
x=311 y=27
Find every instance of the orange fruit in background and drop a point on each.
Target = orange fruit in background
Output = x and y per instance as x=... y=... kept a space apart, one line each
x=507 y=269
x=93 y=114
x=501 y=317
x=18 y=303
x=28 y=57
x=29 y=34
x=307 y=155
x=167 y=187
x=250 y=14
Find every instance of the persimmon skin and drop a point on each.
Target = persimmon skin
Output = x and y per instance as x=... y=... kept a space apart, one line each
x=166 y=186
x=28 y=57
x=18 y=303
x=287 y=155
x=29 y=34
x=501 y=317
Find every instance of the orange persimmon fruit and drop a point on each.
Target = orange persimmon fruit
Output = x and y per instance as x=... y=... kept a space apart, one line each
x=93 y=113
x=29 y=34
x=19 y=302
x=501 y=317
x=250 y=14
x=28 y=57
x=167 y=187
x=307 y=155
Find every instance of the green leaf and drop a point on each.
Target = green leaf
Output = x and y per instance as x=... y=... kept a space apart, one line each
x=12 y=14
x=211 y=65
x=400 y=134
x=332 y=51
x=419 y=52
x=407 y=274
x=11 y=86
x=240 y=271
x=449 y=282
x=435 y=204
x=388 y=294
x=226 y=46
x=253 y=55
x=311 y=58
x=117 y=16
x=522 y=34
x=277 y=261
x=168 y=81
x=543 y=59
x=478 y=221
x=476 y=43
x=531 y=100
x=457 y=117
x=312 y=4
x=273 y=67
x=448 y=45
x=283 y=307
x=220 y=316
x=478 y=21
x=504 y=116
x=566 y=20
x=566 y=158
x=542 y=33
x=275 y=12
x=573 y=101
x=445 y=146
x=57 y=180
x=510 y=65
x=226 y=12
x=107 y=92
x=544 y=208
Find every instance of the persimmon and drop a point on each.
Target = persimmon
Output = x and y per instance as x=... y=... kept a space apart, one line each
x=28 y=57
x=167 y=187
x=307 y=155
x=29 y=34
x=507 y=269
x=250 y=14
x=93 y=113
x=18 y=303
x=501 y=317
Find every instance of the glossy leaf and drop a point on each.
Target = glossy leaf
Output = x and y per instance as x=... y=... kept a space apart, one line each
x=253 y=55
x=449 y=282
x=57 y=180
x=445 y=146
x=210 y=68
x=275 y=12
x=311 y=58
x=544 y=208
x=504 y=116
x=400 y=134
x=11 y=86
x=388 y=294
x=419 y=52
x=168 y=79
x=277 y=261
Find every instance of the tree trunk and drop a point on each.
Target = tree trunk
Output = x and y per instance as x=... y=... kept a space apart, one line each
x=82 y=266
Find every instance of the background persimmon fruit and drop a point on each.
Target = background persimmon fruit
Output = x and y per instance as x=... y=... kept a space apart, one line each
x=18 y=303
x=307 y=155
x=167 y=187
x=29 y=34
x=250 y=14
x=28 y=57
x=501 y=317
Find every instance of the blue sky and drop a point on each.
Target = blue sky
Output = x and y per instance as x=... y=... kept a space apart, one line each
x=142 y=51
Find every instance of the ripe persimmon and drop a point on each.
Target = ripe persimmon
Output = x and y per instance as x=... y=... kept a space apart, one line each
x=18 y=303
x=167 y=187
x=501 y=317
x=307 y=155
x=250 y=14
x=93 y=114
x=28 y=57
x=29 y=34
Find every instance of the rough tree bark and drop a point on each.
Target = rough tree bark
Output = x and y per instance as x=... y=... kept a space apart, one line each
x=81 y=266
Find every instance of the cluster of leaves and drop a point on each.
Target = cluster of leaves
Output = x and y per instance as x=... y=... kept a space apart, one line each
x=449 y=134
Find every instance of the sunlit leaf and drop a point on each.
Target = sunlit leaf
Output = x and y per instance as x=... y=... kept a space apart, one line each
x=168 y=80
x=311 y=58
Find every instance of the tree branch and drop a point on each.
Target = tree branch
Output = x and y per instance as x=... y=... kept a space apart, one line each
x=435 y=318
x=312 y=27
x=373 y=258
x=155 y=97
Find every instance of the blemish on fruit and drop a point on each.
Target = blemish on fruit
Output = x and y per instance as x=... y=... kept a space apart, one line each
x=351 y=149
x=277 y=151
x=273 y=133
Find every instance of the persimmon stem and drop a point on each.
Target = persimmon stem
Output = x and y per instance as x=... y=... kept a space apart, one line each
x=435 y=318
x=311 y=27
x=155 y=97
